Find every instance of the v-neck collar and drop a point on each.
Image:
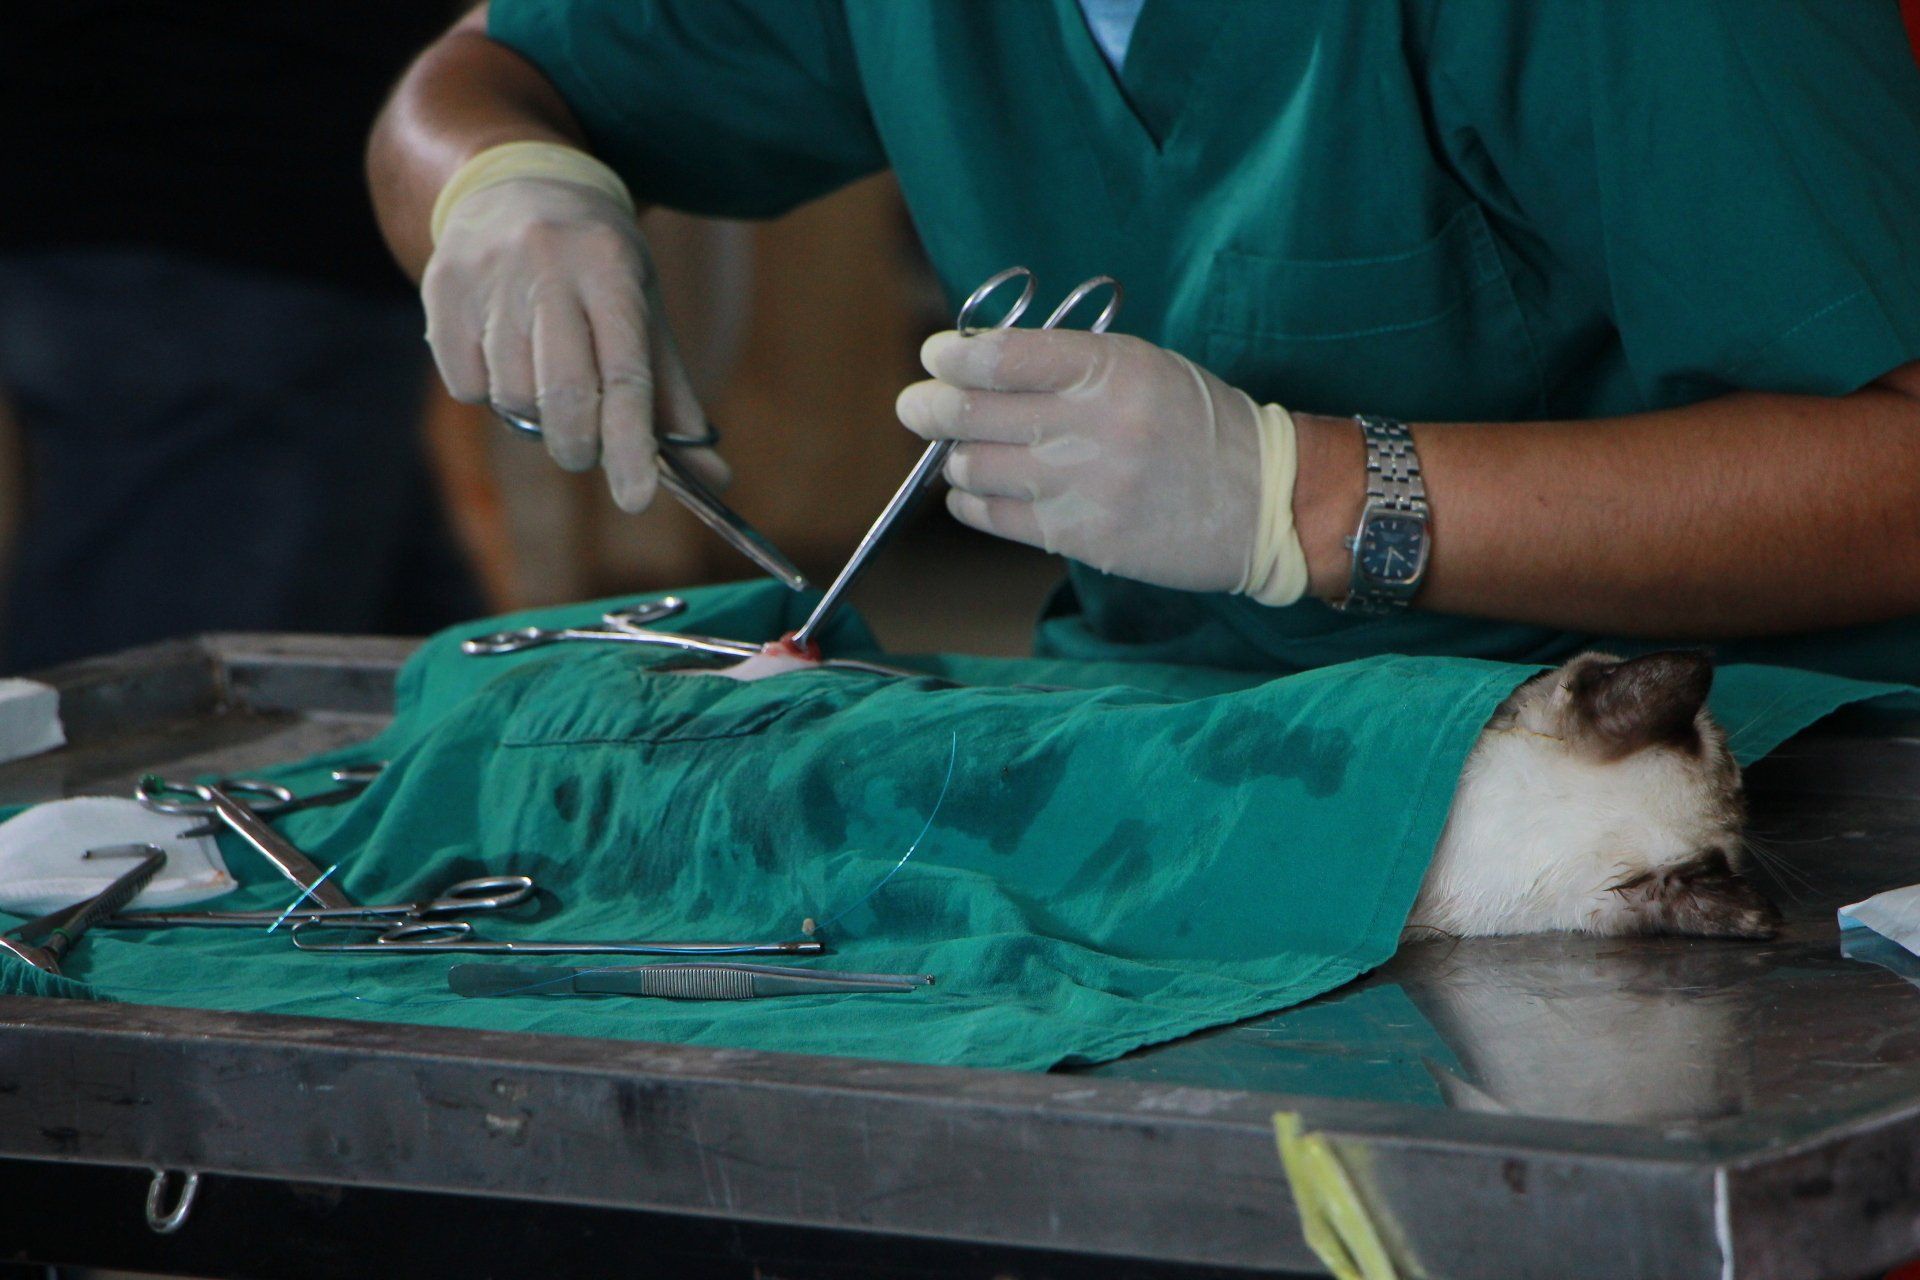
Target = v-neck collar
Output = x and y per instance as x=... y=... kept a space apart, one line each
x=1167 y=51
x=1136 y=121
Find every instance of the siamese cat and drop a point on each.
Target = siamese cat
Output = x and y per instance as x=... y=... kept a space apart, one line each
x=1600 y=798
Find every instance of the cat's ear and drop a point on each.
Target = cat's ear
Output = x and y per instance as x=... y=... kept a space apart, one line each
x=1623 y=706
x=1703 y=897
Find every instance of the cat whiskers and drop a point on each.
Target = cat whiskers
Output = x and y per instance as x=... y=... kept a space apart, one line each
x=1793 y=882
x=1827 y=839
x=1735 y=735
x=1781 y=753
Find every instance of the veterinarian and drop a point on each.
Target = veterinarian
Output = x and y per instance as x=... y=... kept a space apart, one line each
x=1634 y=285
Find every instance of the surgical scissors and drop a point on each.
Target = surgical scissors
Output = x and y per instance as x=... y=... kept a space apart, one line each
x=934 y=458
x=680 y=481
x=481 y=893
x=456 y=937
x=221 y=800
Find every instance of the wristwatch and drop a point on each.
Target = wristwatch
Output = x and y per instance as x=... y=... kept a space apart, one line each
x=1390 y=548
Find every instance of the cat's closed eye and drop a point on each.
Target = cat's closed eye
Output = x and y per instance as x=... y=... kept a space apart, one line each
x=1704 y=896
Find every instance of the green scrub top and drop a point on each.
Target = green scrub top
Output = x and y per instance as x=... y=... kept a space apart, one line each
x=1470 y=210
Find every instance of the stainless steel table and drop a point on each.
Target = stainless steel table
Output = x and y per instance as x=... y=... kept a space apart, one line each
x=1544 y=1107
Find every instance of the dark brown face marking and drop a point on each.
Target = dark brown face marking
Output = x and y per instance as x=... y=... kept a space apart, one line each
x=1605 y=710
x=1649 y=701
x=1703 y=897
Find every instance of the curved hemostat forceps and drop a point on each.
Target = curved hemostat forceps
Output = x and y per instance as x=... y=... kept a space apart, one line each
x=275 y=800
x=622 y=626
x=934 y=458
x=226 y=802
x=482 y=893
x=455 y=937
x=686 y=487
x=628 y=626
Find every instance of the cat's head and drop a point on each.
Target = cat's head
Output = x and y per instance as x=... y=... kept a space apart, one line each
x=1607 y=790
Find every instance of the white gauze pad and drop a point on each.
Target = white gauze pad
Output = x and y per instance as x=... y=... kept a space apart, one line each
x=41 y=868
x=29 y=719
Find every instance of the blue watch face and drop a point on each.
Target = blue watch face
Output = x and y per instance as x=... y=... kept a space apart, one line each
x=1391 y=548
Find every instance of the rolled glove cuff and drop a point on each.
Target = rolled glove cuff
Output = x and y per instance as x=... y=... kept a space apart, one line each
x=1277 y=569
x=511 y=161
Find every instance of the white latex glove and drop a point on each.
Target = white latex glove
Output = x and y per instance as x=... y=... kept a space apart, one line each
x=541 y=299
x=1117 y=453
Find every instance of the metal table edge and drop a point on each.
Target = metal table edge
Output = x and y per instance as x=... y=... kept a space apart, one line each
x=195 y=1067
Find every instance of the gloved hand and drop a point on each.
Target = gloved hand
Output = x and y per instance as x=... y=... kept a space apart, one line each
x=541 y=299
x=1117 y=453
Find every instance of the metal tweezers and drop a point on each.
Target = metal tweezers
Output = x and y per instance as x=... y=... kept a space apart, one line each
x=672 y=981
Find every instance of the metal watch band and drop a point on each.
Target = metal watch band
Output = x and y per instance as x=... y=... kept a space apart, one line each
x=1394 y=489
x=1393 y=467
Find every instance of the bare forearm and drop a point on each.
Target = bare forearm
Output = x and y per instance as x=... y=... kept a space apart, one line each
x=464 y=94
x=1746 y=515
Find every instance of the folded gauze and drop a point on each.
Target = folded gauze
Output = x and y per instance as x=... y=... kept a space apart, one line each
x=1894 y=914
x=41 y=867
x=29 y=718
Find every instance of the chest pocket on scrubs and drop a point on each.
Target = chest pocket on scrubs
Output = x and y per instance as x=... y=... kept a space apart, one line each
x=1430 y=332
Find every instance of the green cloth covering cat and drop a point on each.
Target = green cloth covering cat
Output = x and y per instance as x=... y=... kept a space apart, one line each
x=1104 y=856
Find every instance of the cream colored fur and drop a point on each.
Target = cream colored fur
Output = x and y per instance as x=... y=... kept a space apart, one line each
x=1540 y=832
x=1557 y=826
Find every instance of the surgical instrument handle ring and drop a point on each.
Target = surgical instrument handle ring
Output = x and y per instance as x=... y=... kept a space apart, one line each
x=520 y=638
x=646 y=613
x=964 y=321
x=152 y=793
x=252 y=828
x=1082 y=291
x=481 y=893
x=352 y=779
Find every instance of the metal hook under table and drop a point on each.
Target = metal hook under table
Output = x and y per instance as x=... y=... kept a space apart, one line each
x=170 y=1221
